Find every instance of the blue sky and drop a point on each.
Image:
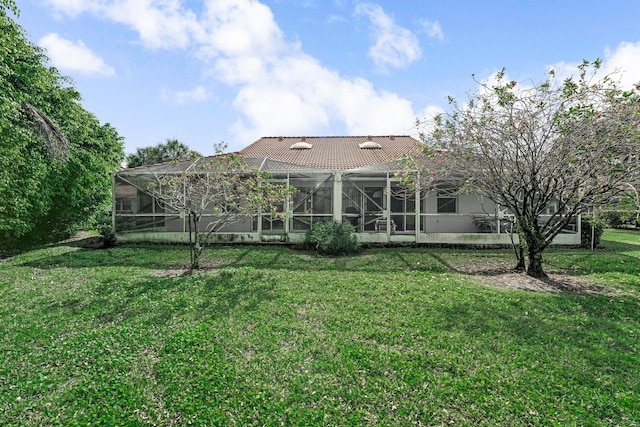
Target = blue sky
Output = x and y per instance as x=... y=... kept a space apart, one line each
x=235 y=70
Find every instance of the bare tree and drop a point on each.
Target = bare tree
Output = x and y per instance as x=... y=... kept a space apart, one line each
x=572 y=143
x=224 y=189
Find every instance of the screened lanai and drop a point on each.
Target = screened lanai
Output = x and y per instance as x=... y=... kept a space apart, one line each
x=341 y=180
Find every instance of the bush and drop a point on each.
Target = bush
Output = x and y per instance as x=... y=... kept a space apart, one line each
x=104 y=226
x=619 y=217
x=586 y=235
x=332 y=238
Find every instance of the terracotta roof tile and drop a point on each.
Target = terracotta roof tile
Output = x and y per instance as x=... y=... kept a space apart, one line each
x=333 y=152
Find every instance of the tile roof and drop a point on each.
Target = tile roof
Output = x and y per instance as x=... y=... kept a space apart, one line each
x=274 y=166
x=333 y=152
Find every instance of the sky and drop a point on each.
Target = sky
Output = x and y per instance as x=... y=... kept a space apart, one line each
x=232 y=71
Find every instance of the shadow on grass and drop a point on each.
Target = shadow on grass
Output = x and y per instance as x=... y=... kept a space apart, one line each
x=581 y=262
x=444 y=263
x=615 y=246
x=152 y=256
x=160 y=257
x=160 y=301
x=89 y=242
x=230 y=290
x=589 y=328
x=167 y=261
x=165 y=257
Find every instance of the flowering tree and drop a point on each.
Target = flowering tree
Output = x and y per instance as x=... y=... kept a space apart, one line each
x=572 y=142
x=222 y=187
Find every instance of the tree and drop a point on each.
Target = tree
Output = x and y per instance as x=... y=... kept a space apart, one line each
x=56 y=157
x=625 y=210
x=633 y=200
x=223 y=187
x=571 y=142
x=172 y=149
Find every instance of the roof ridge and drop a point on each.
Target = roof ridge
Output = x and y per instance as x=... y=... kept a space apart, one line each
x=334 y=136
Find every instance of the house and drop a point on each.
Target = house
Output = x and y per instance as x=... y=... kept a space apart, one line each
x=343 y=178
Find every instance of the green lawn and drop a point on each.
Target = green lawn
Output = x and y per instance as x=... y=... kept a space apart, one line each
x=275 y=336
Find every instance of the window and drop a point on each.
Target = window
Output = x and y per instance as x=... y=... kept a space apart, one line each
x=447 y=200
x=124 y=205
x=312 y=202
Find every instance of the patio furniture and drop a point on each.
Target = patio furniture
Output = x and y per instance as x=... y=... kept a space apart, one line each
x=381 y=225
x=484 y=223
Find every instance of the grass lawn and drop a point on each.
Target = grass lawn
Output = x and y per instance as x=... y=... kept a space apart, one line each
x=275 y=336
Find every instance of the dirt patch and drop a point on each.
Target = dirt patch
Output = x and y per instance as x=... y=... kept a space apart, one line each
x=173 y=272
x=212 y=265
x=180 y=271
x=501 y=275
x=554 y=283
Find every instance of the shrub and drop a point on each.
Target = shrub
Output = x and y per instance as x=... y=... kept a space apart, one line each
x=619 y=217
x=613 y=218
x=332 y=238
x=104 y=226
x=587 y=234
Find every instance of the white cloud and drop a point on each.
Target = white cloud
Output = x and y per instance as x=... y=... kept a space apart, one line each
x=160 y=24
x=622 y=62
x=430 y=112
x=73 y=7
x=74 y=57
x=432 y=29
x=197 y=94
x=426 y=118
x=625 y=59
x=280 y=89
x=299 y=96
x=394 y=45
x=236 y=28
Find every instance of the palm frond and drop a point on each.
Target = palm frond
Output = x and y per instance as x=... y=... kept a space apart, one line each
x=56 y=144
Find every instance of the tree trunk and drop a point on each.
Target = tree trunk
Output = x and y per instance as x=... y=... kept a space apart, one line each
x=195 y=244
x=536 y=243
x=197 y=250
x=518 y=249
x=535 y=264
x=520 y=255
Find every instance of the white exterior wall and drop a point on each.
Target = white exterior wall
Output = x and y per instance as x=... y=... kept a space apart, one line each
x=459 y=222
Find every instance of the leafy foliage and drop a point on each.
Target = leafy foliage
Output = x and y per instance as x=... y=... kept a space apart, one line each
x=617 y=218
x=625 y=210
x=103 y=224
x=56 y=157
x=572 y=142
x=172 y=149
x=591 y=233
x=332 y=238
